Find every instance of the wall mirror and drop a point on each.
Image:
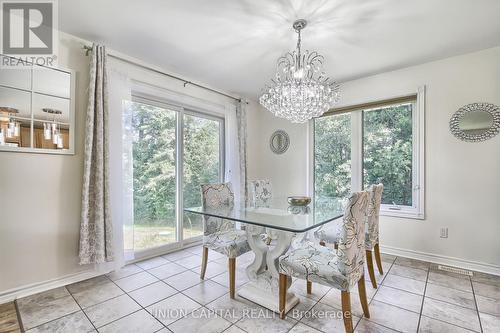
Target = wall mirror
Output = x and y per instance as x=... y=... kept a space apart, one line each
x=476 y=122
x=279 y=142
x=37 y=112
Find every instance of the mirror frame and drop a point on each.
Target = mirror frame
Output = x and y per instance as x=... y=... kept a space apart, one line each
x=72 y=127
x=286 y=144
x=489 y=133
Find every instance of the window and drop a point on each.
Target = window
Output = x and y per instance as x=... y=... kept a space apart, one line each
x=377 y=143
x=173 y=151
x=154 y=170
x=202 y=165
x=332 y=137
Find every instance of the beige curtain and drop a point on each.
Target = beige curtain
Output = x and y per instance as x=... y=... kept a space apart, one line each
x=96 y=227
x=241 y=121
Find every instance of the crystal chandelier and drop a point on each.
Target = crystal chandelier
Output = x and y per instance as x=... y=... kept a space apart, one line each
x=300 y=89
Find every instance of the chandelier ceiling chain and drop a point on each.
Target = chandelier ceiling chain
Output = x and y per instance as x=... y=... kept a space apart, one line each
x=300 y=89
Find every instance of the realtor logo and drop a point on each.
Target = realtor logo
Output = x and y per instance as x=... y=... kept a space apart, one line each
x=29 y=31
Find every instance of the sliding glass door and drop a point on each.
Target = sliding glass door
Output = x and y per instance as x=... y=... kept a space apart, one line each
x=168 y=153
x=203 y=163
x=153 y=131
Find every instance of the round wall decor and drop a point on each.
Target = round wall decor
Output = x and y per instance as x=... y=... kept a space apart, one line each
x=476 y=122
x=279 y=142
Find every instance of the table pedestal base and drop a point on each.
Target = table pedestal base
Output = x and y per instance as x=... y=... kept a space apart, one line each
x=263 y=271
x=262 y=293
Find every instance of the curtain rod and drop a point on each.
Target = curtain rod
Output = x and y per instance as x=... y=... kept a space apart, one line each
x=88 y=49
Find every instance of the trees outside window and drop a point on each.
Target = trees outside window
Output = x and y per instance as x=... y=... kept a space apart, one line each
x=365 y=146
x=154 y=131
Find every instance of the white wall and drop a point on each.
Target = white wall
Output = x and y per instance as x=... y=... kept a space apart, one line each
x=40 y=199
x=462 y=179
x=286 y=171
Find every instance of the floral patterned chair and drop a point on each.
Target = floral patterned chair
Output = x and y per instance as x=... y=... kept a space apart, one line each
x=341 y=269
x=220 y=235
x=261 y=192
x=371 y=239
x=330 y=234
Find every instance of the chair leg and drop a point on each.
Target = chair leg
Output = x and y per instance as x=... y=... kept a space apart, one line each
x=376 y=249
x=232 y=277
x=371 y=272
x=346 y=311
x=204 y=260
x=309 y=287
x=362 y=297
x=282 y=295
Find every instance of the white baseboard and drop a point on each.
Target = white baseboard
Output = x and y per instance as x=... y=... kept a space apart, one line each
x=444 y=260
x=34 y=288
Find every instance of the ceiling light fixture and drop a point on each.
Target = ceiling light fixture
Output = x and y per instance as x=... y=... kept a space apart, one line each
x=300 y=89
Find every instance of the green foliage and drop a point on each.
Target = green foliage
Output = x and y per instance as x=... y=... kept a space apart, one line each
x=387 y=153
x=201 y=156
x=332 y=156
x=153 y=152
x=154 y=163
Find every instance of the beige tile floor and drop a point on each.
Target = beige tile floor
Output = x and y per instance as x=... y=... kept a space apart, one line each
x=413 y=296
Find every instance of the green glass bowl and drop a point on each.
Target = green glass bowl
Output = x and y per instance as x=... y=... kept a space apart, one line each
x=299 y=200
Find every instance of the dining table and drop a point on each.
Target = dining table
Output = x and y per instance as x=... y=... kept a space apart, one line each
x=284 y=223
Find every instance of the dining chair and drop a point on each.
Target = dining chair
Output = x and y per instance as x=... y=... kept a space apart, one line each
x=261 y=192
x=330 y=234
x=341 y=269
x=221 y=235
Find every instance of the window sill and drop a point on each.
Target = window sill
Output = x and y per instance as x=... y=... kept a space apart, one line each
x=407 y=214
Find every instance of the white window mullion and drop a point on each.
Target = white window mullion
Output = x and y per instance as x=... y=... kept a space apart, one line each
x=356 y=151
x=179 y=158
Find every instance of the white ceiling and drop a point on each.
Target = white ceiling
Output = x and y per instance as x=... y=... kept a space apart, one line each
x=233 y=44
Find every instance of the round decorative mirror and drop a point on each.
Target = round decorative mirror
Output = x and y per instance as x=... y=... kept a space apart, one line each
x=476 y=122
x=279 y=142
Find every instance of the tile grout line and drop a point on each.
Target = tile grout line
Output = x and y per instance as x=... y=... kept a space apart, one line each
x=140 y=307
x=477 y=308
x=53 y=320
x=423 y=300
x=18 y=314
x=81 y=309
x=373 y=298
x=448 y=323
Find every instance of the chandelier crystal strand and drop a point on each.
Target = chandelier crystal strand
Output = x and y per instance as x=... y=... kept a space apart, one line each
x=300 y=89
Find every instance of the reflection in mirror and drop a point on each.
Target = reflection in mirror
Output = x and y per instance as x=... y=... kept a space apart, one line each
x=279 y=142
x=476 y=122
x=36 y=110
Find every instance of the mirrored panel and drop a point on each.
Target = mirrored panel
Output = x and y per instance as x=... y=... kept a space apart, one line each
x=37 y=110
x=476 y=122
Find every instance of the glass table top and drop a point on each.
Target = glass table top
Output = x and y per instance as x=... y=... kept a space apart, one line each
x=278 y=214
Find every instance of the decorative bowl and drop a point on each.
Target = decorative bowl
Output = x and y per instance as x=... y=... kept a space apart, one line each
x=7 y=109
x=299 y=200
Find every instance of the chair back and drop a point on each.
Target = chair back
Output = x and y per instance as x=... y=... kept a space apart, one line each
x=260 y=192
x=216 y=196
x=373 y=214
x=351 y=245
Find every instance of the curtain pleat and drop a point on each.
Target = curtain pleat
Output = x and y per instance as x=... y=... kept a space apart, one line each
x=241 y=121
x=96 y=230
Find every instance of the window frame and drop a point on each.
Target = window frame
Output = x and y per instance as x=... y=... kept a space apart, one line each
x=181 y=109
x=417 y=210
